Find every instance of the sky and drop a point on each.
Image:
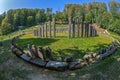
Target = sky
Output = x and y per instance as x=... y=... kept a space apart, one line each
x=54 y=4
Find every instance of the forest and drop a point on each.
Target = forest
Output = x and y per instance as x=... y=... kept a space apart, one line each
x=105 y=15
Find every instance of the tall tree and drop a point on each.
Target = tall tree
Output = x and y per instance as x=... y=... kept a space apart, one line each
x=30 y=20
x=5 y=27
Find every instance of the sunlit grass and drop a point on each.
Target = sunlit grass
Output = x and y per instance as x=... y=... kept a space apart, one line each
x=62 y=46
x=108 y=69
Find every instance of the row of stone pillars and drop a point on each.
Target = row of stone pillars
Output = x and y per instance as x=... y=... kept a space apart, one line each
x=78 y=28
x=47 y=30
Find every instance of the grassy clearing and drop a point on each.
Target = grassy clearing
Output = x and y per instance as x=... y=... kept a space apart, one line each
x=13 y=68
x=76 y=47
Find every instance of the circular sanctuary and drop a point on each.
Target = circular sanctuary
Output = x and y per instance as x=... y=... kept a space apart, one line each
x=44 y=59
x=76 y=28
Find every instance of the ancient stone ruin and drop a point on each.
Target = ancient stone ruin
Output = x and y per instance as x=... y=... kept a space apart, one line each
x=60 y=65
x=76 y=28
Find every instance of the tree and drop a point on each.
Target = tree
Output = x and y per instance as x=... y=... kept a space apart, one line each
x=48 y=14
x=16 y=21
x=30 y=21
x=5 y=27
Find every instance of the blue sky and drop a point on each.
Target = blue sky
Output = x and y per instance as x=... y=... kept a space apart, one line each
x=54 y=4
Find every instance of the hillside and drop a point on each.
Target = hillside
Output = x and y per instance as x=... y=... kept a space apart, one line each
x=15 y=68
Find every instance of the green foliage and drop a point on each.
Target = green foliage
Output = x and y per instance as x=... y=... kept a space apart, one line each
x=30 y=20
x=5 y=27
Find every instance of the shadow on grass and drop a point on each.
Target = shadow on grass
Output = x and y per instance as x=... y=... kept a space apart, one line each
x=107 y=69
x=74 y=53
x=99 y=46
x=61 y=36
x=36 y=41
x=4 y=51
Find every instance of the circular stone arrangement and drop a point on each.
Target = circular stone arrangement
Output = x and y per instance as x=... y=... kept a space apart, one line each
x=68 y=64
x=76 y=28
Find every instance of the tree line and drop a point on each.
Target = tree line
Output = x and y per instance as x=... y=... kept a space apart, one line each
x=107 y=17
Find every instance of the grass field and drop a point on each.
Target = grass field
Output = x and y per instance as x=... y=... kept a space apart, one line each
x=76 y=47
x=13 y=68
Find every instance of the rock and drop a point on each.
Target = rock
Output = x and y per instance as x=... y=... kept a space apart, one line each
x=77 y=64
x=59 y=66
x=14 y=50
x=38 y=62
x=25 y=57
x=68 y=59
x=94 y=55
x=72 y=65
x=59 y=59
x=48 y=53
x=18 y=52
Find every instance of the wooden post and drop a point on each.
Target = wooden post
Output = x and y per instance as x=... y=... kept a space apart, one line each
x=69 y=28
x=54 y=30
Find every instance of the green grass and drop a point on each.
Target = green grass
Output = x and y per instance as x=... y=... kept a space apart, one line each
x=13 y=68
x=76 y=47
x=61 y=25
x=8 y=70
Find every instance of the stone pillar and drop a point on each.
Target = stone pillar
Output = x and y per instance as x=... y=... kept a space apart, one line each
x=95 y=32
x=34 y=32
x=92 y=31
x=42 y=31
x=78 y=27
x=82 y=28
x=39 y=31
x=89 y=30
x=73 y=29
x=49 y=29
x=69 y=28
x=54 y=29
x=45 y=26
